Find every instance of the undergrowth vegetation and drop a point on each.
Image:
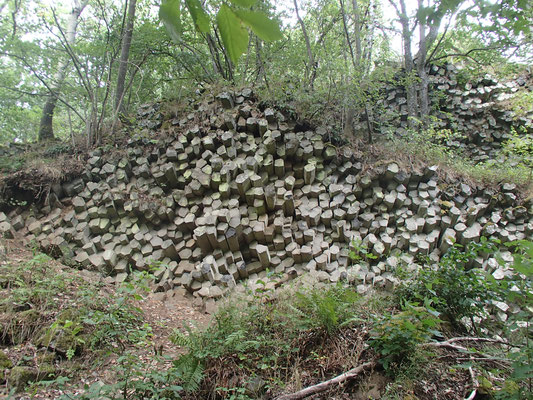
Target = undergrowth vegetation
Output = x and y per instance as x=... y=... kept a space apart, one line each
x=431 y=145
x=58 y=315
x=439 y=326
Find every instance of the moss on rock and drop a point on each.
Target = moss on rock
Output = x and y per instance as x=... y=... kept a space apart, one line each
x=20 y=376
x=5 y=364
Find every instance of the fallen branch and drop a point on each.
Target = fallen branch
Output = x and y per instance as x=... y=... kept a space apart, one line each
x=327 y=384
x=476 y=339
x=449 y=344
x=475 y=384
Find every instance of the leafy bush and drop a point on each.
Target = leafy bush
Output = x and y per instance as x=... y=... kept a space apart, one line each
x=396 y=336
x=120 y=321
x=422 y=146
x=32 y=297
x=11 y=163
x=52 y=307
x=137 y=380
x=518 y=290
x=454 y=289
x=521 y=103
x=520 y=145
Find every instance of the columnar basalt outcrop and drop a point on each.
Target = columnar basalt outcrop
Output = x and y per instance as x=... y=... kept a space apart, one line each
x=476 y=113
x=232 y=193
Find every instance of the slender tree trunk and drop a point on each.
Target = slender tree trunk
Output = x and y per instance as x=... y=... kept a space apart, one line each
x=260 y=66
x=215 y=57
x=424 y=90
x=355 y=62
x=409 y=64
x=349 y=110
x=124 y=57
x=311 y=59
x=247 y=62
x=423 y=94
x=227 y=60
x=46 y=130
x=357 y=31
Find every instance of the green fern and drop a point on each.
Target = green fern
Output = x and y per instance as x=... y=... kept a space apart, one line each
x=181 y=339
x=190 y=371
x=325 y=310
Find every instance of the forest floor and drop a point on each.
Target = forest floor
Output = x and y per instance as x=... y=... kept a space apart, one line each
x=161 y=314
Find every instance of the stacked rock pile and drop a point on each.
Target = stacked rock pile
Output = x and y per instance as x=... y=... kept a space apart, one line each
x=244 y=194
x=475 y=112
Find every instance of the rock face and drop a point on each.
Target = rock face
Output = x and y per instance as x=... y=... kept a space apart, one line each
x=244 y=193
x=473 y=116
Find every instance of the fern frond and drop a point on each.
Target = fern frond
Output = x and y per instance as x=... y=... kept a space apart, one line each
x=180 y=339
x=190 y=371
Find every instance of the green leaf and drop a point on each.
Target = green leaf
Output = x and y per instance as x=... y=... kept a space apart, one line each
x=234 y=35
x=169 y=14
x=198 y=14
x=244 y=3
x=260 y=24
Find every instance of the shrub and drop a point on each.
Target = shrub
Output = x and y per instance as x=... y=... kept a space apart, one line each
x=454 y=289
x=519 y=291
x=520 y=145
x=396 y=336
x=359 y=251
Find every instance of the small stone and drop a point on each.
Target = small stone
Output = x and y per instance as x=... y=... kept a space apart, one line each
x=6 y=230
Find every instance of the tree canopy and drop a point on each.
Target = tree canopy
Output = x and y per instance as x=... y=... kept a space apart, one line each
x=125 y=53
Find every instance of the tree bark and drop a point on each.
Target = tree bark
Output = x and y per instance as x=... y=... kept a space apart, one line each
x=215 y=57
x=311 y=63
x=46 y=130
x=124 y=57
x=357 y=31
x=409 y=64
x=421 y=66
x=355 y=61
x=259 y=64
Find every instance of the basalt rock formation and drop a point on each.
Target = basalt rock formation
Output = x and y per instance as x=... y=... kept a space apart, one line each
x=476 y=113
x=232 y=193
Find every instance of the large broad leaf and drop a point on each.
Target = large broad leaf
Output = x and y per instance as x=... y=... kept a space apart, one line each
x=260 y=24
x=234 y=35
x=169 y=14
x=198 y=14
x=244 y=3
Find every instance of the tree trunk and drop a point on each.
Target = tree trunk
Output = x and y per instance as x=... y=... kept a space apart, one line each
x=423 y=94
x=424 y=91
x=357 y=31
x=259 y=65
x=215 y=57
x=124 y=57
x=410 y=86
x=355 y=61
x=46 y=130
x=311 y=59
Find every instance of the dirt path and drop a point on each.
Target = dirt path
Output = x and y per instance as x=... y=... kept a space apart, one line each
x=168 y=311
